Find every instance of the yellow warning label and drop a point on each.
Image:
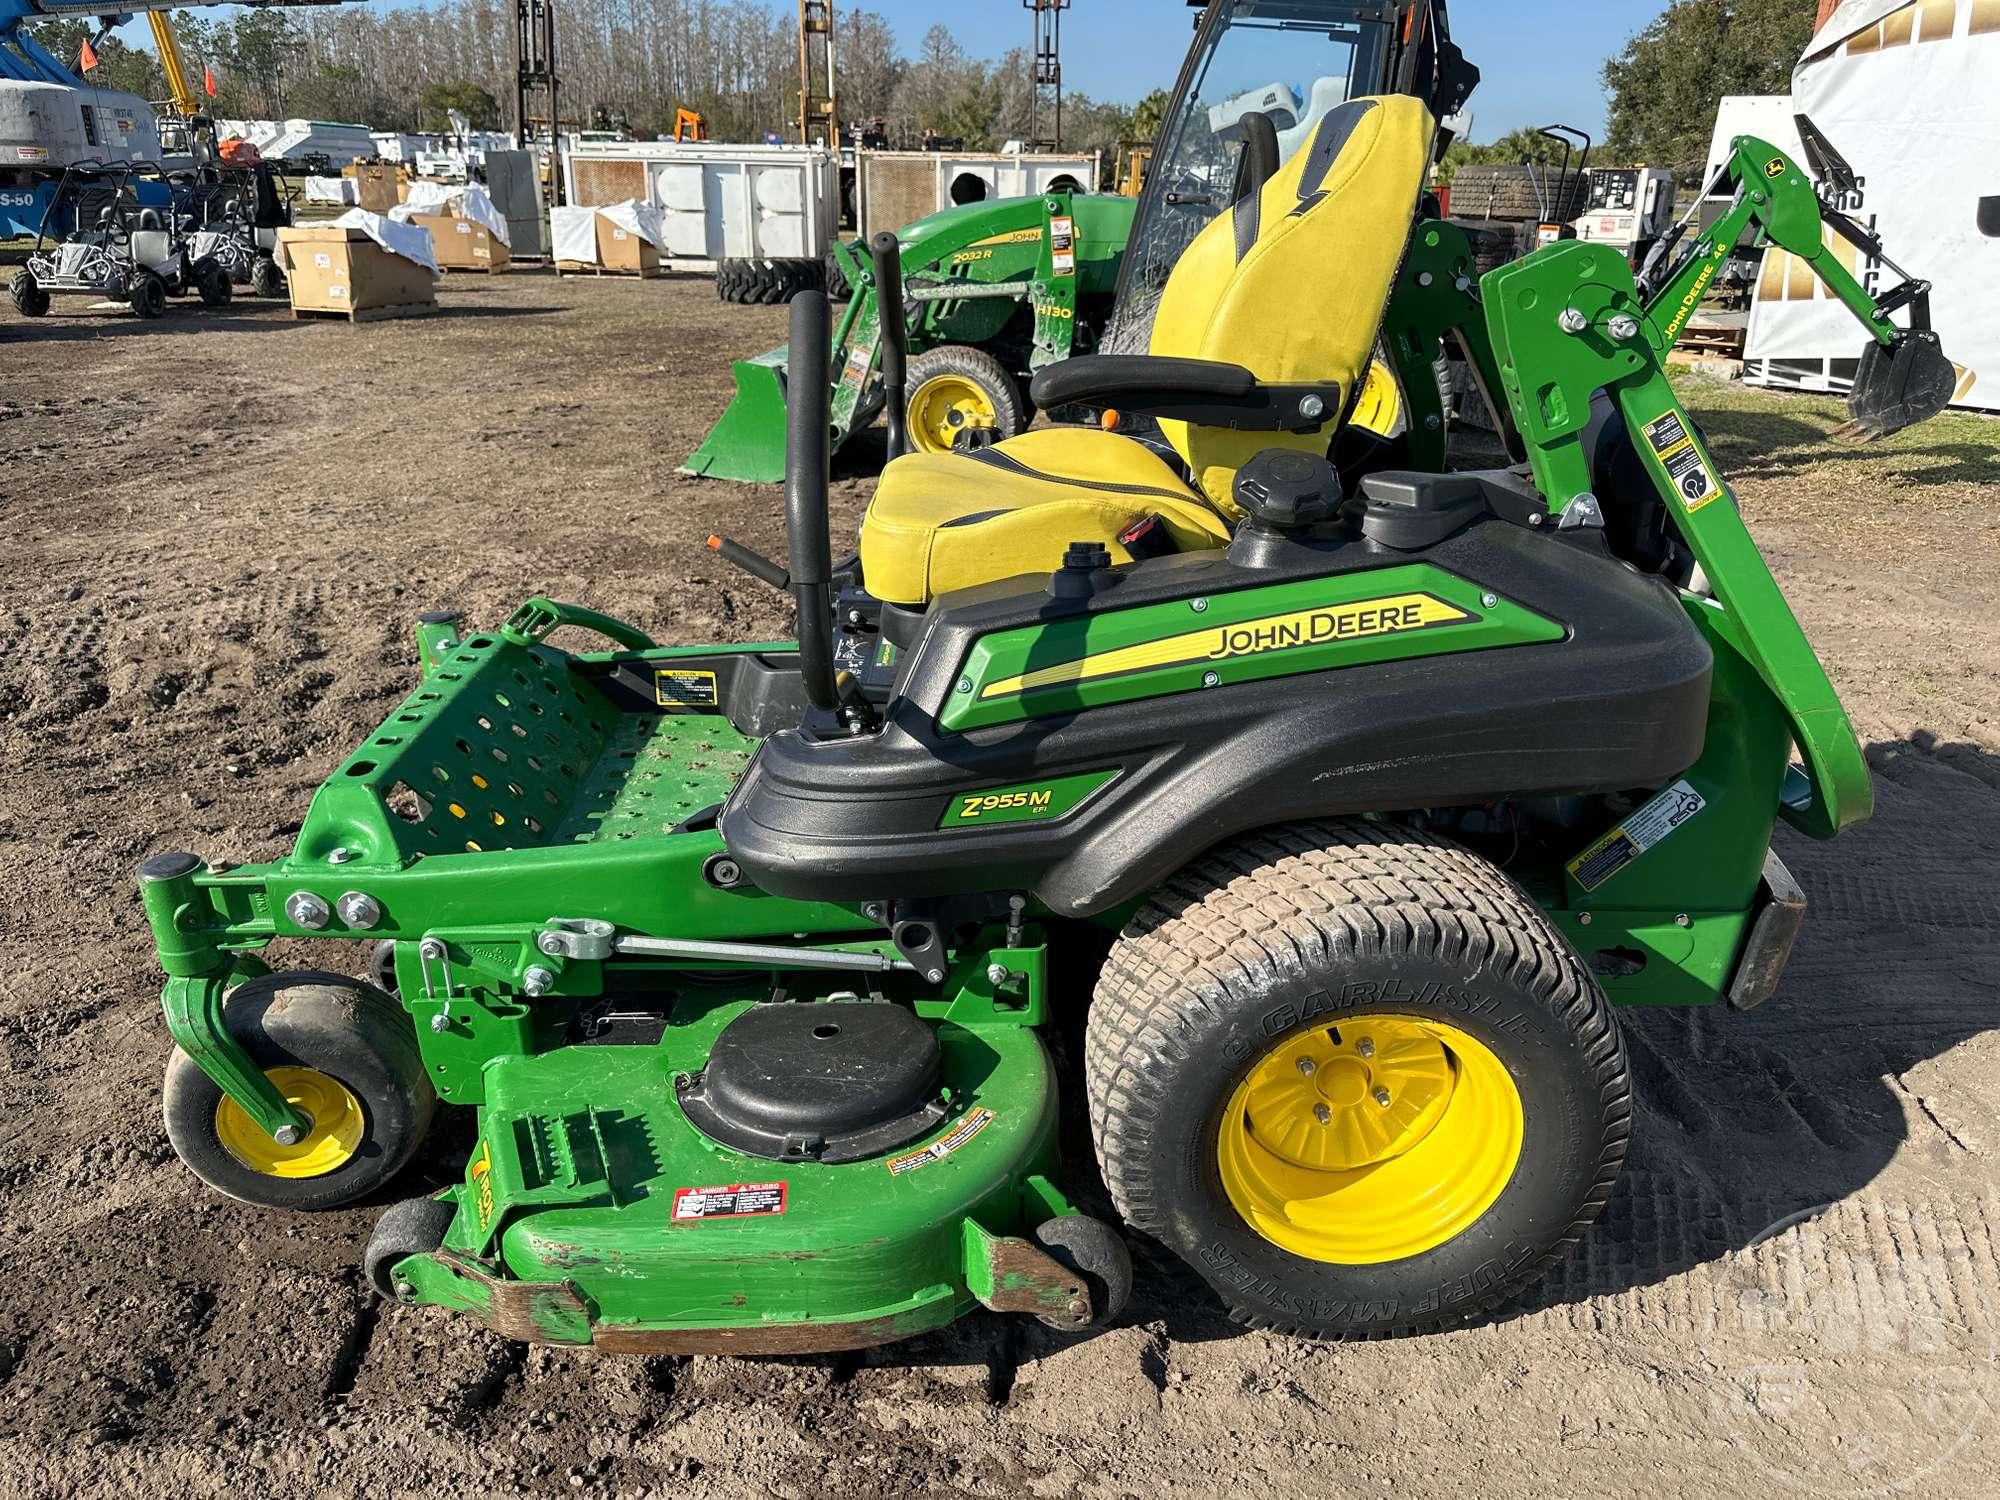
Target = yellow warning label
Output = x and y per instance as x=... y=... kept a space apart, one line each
x=1305 y=627
x=1680 y=453
x=944 y=1145
x=684 y=687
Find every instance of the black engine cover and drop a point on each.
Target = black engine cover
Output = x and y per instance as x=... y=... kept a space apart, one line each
x=827 y=1081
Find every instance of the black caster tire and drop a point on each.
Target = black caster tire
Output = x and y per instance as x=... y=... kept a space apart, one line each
x=1355 y=1078
x=1096 y=1252
x=149 y=296
x=382 y=966
x=416 y=1226
x=30 y=301
x=341 y=1049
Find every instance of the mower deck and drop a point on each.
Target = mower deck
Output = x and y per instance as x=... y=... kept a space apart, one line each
x=590 y=1189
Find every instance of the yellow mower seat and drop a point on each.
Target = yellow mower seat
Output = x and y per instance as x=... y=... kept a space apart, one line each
x=1291 y=284
x=942 y=521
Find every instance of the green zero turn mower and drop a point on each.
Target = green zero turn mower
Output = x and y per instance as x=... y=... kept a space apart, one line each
x=1387 y=786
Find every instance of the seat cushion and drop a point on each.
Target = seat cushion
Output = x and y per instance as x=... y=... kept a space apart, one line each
x=942 y=521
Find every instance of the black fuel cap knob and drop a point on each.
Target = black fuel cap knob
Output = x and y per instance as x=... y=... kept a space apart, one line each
x=1284 y=488
x=1083 y=571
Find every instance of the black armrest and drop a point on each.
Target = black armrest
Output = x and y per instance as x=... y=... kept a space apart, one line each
x=1208 y=392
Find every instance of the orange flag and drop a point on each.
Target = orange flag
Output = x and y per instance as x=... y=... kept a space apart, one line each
x=87 y=59
x=208 y=79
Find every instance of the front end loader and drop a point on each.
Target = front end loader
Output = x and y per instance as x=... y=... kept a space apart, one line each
x=995 y=291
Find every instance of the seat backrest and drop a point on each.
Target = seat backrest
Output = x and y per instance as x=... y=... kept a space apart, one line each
x=152 y=248
x=1293 y=281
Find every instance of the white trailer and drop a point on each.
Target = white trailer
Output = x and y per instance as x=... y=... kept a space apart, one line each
x=717 y=202
x=894 y=188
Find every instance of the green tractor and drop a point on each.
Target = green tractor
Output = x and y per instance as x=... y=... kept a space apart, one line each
x=1385 y=787
x=996 y=291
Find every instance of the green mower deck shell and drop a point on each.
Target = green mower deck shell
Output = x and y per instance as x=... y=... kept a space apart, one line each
x=585 y=1165
x=1000 y=253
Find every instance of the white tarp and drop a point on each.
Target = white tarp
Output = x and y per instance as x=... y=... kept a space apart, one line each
x=573 y=231
x=411 y=241
x=331 y=190
x=1904 y=91
x=453 y=198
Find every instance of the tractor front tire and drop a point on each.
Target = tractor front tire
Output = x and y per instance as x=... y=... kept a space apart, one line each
x=149 y=296
x=30 y=301
x=959 y=396
x=1354 y=1077
x=266 y=280
x=340 y=1050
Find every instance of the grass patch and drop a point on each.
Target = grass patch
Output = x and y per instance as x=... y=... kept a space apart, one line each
x=1776 y=450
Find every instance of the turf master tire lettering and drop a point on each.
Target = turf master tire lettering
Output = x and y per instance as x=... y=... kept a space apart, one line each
x=957 y=390
x=343 y=1043
x=1276 y=938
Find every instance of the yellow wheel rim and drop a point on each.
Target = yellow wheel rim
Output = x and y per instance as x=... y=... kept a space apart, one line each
x=1374 y=1140
x=335 y=1136
x=1381 y=404
x=943 y=407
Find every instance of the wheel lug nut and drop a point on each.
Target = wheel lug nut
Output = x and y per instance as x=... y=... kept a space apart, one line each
x=1366 y=1047
x=1382 y=1097
x=1321 y=1113
x=1307 y=1066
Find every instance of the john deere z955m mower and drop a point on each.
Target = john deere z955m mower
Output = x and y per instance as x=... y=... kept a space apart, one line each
x=1392 y=786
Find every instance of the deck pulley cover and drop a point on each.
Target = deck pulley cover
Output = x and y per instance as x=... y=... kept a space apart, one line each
x=827 y=1081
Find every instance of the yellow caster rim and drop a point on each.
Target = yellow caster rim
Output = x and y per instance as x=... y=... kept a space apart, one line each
x=943 y=407
x=1380 y=406
x=1371 y=1141
x=337 y=1127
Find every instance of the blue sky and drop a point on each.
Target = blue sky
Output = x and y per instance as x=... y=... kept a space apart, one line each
x=1540 y=58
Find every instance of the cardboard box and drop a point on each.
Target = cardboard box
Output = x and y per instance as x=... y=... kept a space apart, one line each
x=463 y=244
x=375 y=186
x=620 y=250
x=342 y=271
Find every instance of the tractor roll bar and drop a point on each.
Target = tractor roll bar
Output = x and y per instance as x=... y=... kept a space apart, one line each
x=889 y=317
x=808 y=455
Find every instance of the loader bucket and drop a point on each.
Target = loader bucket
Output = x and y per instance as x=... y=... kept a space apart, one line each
x=748 y=442
x=1898 y=385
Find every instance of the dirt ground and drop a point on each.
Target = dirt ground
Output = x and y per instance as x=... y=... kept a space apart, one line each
x=217 y=531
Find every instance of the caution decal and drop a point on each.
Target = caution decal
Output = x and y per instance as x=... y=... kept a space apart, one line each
x=1641 y=831
x=1361 y=620
x=684 y=688
x=943 y=1146
x=1680 y=454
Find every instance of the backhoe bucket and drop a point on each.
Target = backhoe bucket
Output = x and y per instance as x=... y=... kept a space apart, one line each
x=1898 y=385
x=748 y=442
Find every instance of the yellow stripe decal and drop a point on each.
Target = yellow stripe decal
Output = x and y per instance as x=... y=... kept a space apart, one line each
x=1304 y=627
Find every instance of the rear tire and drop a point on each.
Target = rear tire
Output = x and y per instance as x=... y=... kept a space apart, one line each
x=1305 y=942
x=766 y=281
x=266 y=280
x=149 y=296
x=30 y=301
x=346 y=1042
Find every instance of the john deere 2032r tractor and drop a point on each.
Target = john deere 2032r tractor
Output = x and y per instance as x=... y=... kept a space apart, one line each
x=1392 y=788
x=994 y=292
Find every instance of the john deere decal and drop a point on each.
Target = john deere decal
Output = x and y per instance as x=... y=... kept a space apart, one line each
x=1304 y=627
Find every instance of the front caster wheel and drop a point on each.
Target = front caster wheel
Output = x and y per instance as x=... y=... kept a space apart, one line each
x=1093 y=1250
x=416 y=1226
x=1354 y=1077
x=339 y=1050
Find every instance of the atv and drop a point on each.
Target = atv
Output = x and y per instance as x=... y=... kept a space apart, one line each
x=232 y=213
x=98 y=240
x=1386 y=787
